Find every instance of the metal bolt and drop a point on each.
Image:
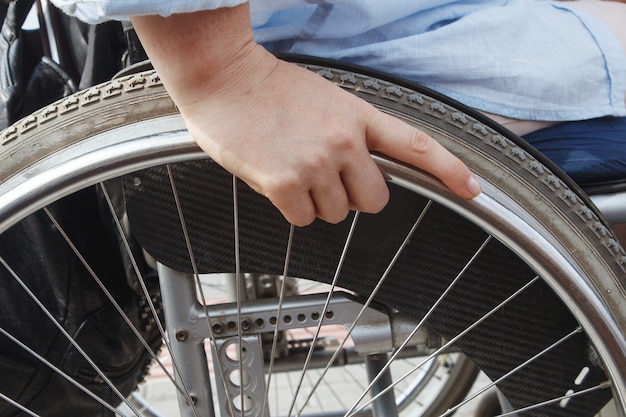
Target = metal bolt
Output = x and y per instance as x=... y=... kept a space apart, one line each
x=182 y=335
x=218 y=328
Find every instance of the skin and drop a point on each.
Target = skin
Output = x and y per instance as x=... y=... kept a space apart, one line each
x=291 y=135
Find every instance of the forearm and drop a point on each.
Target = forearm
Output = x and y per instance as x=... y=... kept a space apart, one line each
x=199 y=53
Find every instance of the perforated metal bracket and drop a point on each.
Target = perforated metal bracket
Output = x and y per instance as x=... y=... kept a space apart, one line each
x=374 y=332
x=242 y=388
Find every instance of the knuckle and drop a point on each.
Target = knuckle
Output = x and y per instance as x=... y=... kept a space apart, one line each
x=459 y=168
x=337 y=136
x=377 y=202
x=419 y=142
x=344 y=143
x=456 y=169
x=300 y=220
x=380 y=203
x=278 y=185
x=336 y=216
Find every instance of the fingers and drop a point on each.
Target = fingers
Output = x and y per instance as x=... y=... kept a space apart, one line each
x=307 y=195
x=331 y=198
x=401 y=141
x=365 y=185
x=297 y=207
x=359 y=184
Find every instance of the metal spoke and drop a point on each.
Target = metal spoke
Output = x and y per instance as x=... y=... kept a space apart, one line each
x=419 y=326
x=604 y=385
x=196 y=274
x=146 y=294
x=239 y=291
x=68 y=336
x=183 y=390
x=281 y=299
x=17 y=405
x=58 y=371
x=369 y=300
x=512 y=371
x=323 y=313
x=442 y=348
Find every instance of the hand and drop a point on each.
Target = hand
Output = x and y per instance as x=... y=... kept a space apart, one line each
x=295 y=138
x=305 y=144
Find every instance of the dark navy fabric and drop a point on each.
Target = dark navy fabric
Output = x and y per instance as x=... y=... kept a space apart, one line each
x=589 y=151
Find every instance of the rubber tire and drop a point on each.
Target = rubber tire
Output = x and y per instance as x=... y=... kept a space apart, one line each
x=549 y=200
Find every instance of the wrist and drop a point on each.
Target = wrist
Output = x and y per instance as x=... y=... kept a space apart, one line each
x=202 y=53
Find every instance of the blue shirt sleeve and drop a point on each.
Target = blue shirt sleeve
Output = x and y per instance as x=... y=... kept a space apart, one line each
x=96 y=11
x=528 y=60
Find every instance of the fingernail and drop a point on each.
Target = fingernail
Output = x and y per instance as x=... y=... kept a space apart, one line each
x=473 y=186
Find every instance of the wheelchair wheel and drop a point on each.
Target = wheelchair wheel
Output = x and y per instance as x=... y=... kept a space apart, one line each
x=526 y=280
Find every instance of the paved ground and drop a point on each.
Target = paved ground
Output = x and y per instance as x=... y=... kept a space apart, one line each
x=159 y=394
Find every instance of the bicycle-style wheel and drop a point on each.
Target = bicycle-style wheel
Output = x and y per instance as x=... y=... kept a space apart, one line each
x=525 y=280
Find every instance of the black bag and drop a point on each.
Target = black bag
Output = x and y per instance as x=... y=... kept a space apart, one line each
x=28 y=79
x=36 y=252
